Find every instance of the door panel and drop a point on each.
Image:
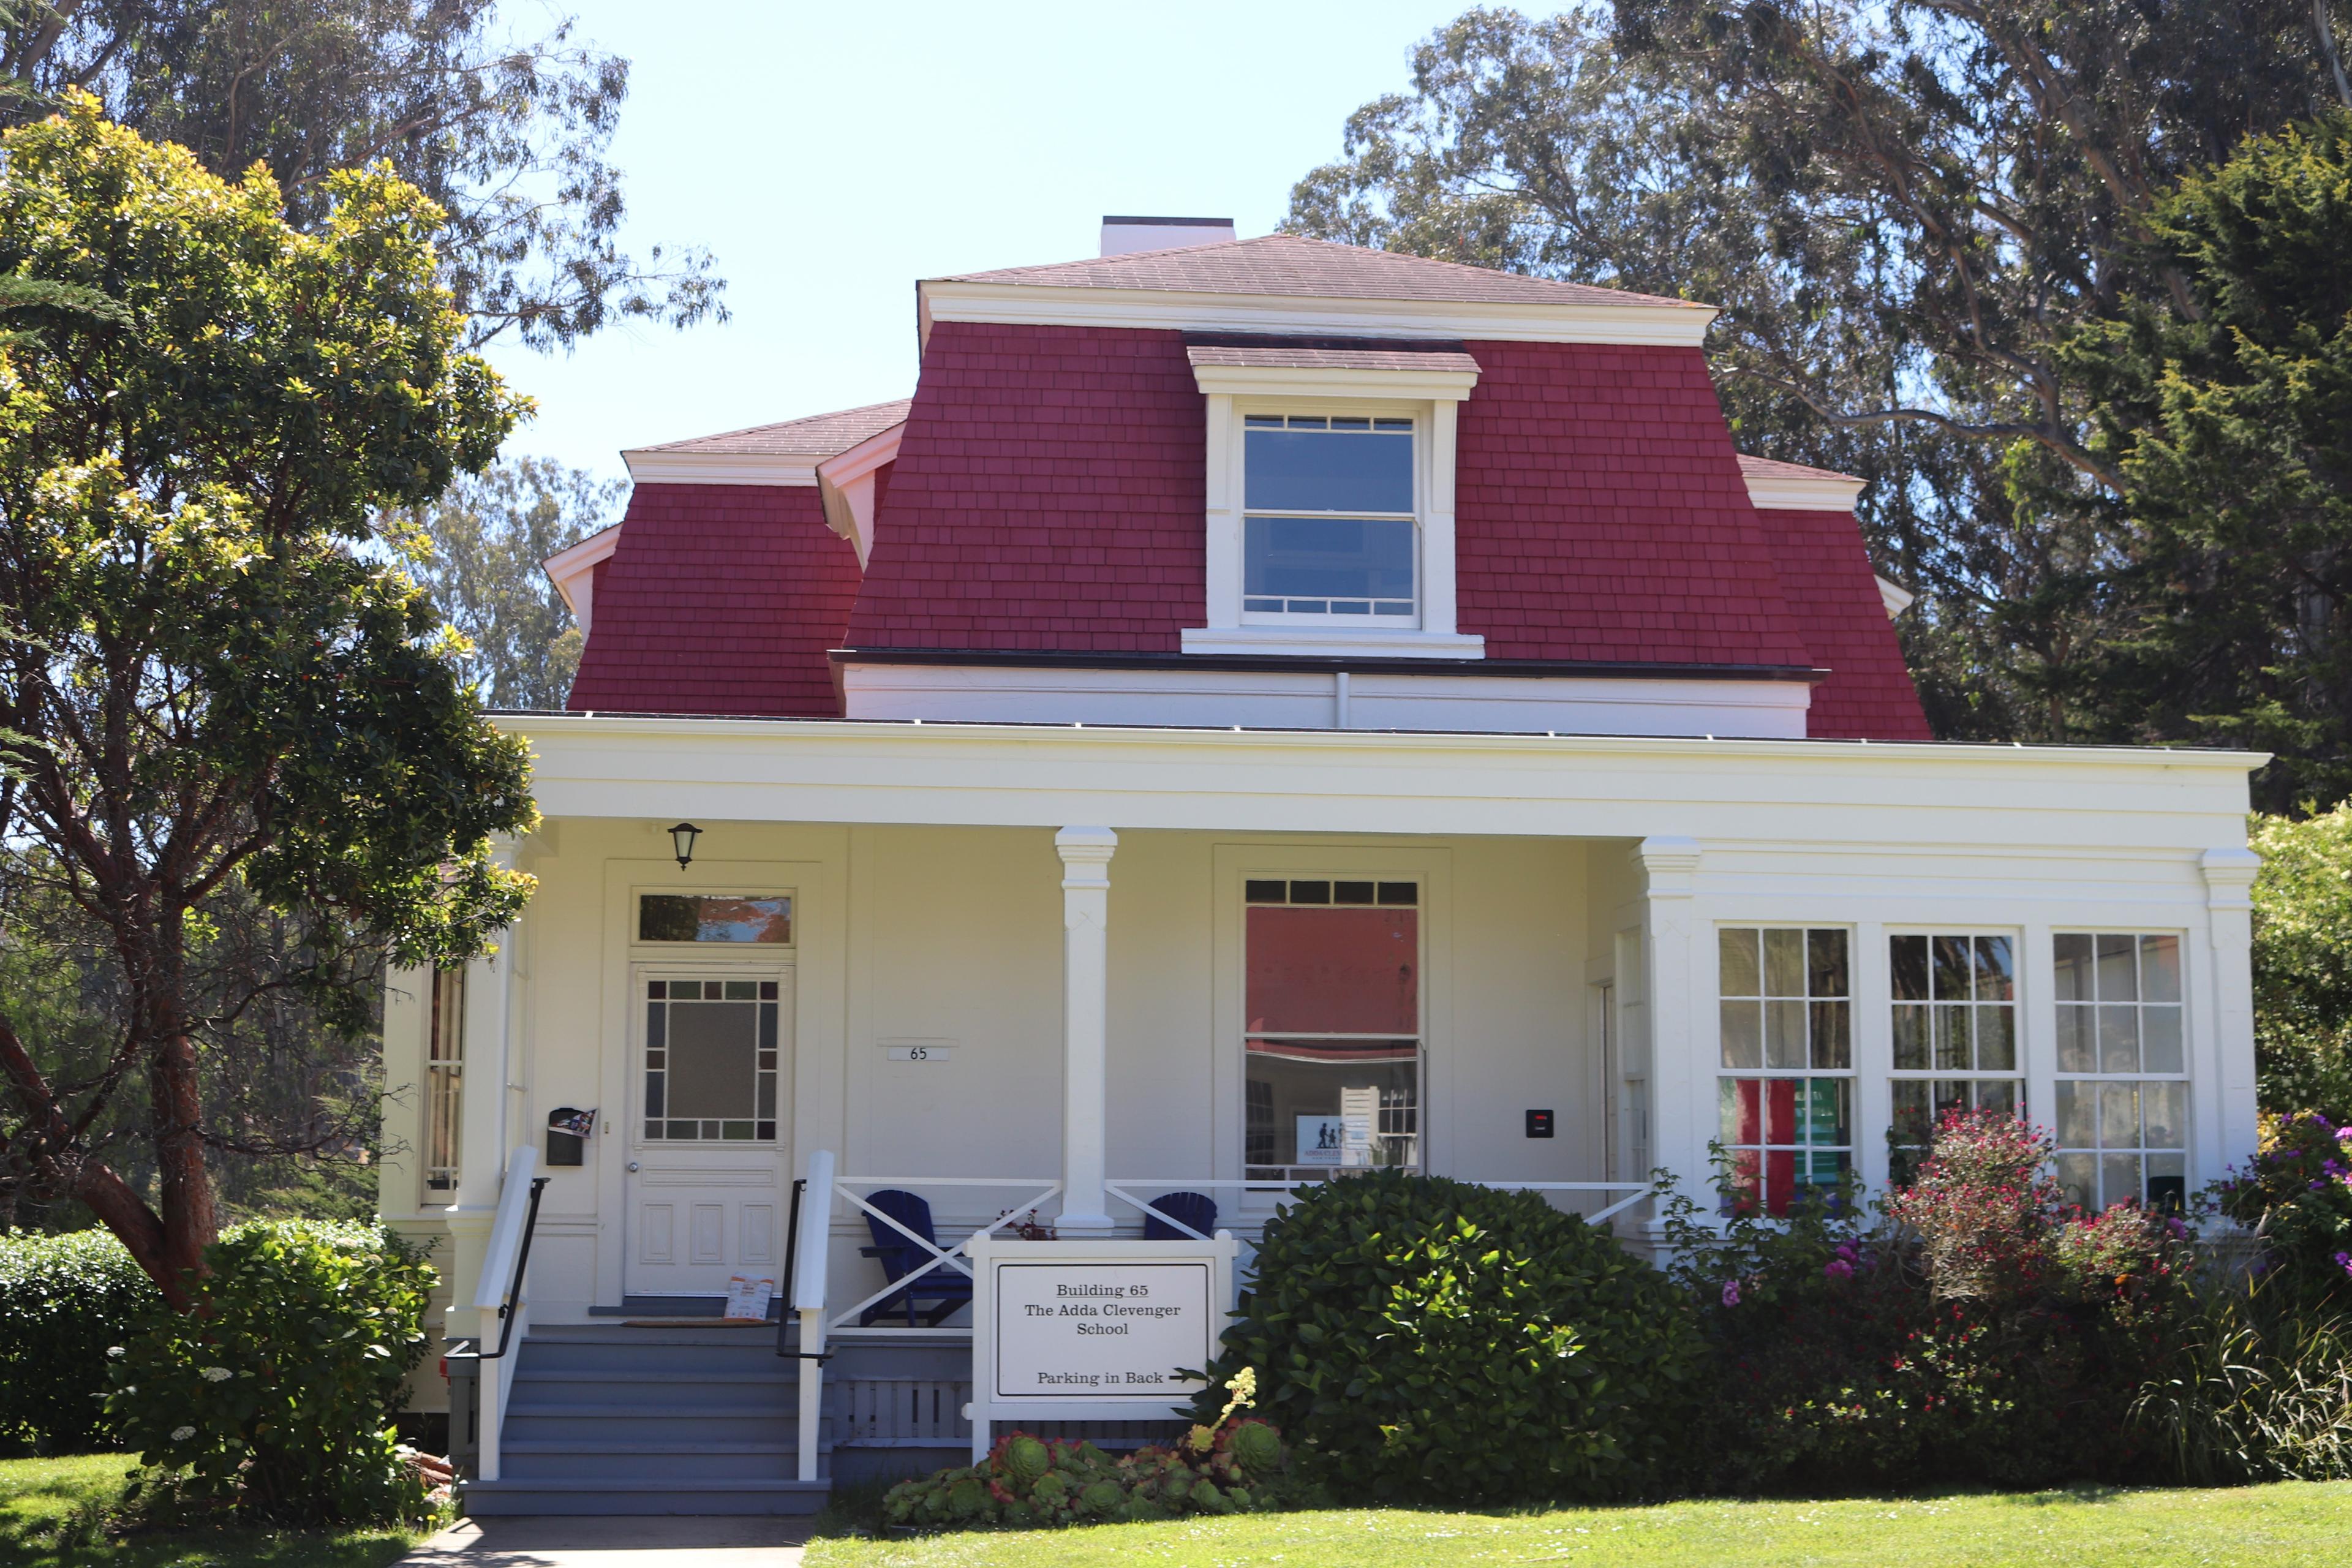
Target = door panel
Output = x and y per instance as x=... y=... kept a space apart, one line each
x=710 y=1060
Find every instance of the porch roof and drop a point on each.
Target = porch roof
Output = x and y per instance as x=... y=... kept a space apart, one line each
x=1827 y=793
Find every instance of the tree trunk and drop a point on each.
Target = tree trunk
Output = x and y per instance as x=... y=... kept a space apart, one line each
x=189 y=1222
x=93 y=1181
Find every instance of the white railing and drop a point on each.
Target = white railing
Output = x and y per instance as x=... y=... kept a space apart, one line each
x=811 y=1281
x=501 y=1276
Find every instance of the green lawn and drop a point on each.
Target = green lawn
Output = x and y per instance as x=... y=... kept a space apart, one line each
x=2274 y=1526
x=56 y=1512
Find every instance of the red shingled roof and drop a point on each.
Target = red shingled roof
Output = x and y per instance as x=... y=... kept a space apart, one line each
x=818 y=435
x=1286 y=265
x=1826 y=576
x=718 y=599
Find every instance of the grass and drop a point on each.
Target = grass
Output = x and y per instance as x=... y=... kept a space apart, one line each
x=67 y=1513
x=2280 y=1526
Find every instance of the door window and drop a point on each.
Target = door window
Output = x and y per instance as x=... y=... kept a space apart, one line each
x=710 y=1060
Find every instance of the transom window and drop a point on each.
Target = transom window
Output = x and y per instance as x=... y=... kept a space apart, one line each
x=764 y=919
x=1330 y=523
x=1332 y=1041
x=2122 y=1070
x=1785 y=1103
x=710 y=1060
x=1955 y=1034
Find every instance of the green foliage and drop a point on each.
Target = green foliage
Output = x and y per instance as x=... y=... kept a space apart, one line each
x=2303 y=960
x=2259 y=1389
x=2227 y=410
x=275 y=1395
x=478 y=552
x=64 y=1301
x=1980 y=1333
x=211 y=685
x=1429 y=1339
x=2296 y=1194
x=1028 y=1482
x=507 y=133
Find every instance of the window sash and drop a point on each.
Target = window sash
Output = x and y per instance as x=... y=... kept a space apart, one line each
x=445 y=1087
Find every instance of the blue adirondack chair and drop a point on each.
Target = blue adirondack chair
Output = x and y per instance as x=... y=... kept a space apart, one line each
x=944 y=1289
x=1195 y=1209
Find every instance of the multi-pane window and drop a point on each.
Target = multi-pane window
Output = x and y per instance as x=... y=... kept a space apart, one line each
x=1332 y=1037
x=1328 y=525
x=1955 y=1034
x=710 y=1060
x=2122 y=1090
x=444 y=1086
x=1786 y=1099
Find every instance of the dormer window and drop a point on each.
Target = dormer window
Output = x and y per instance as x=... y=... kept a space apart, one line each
x=1328 y=519
x=1330 y=488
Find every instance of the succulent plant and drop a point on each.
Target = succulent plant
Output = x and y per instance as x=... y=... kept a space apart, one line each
x=1255 y=1447
x=1023 y=1459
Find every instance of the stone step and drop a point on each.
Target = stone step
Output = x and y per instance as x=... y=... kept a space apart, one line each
x=609 y=1496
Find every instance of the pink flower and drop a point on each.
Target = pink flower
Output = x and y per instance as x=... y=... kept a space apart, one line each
x=2344 y=1261
x=1731 y=1292
x=1838 y=1268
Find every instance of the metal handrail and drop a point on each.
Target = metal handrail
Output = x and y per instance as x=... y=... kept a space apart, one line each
x=504 y=1232
x=786 y=1317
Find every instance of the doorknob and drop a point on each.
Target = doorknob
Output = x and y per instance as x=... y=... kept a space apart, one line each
x=633 y=1164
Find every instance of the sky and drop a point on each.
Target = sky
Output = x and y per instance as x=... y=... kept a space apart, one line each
x=829 y=155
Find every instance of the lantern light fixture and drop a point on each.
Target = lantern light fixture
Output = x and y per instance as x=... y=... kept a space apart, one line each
x=681 y=839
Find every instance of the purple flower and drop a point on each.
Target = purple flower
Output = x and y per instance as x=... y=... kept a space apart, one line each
x=2344 y=1261
x=1838 y=1268
x=1731 y=1292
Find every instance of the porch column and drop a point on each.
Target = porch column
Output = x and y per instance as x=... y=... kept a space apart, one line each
x=1681 y=1097
x=2227 y=1133
x=1086 y=855
x=482 y=1131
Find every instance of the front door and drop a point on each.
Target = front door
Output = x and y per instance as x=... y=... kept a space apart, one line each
x=712 y=1061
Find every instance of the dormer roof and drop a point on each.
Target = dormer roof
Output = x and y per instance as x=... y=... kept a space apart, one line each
x=1283 y=283
x=785 y=453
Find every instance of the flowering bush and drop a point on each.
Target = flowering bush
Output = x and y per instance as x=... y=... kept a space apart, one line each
x=275 y=1394
x=2296 y=1195
x=1975 y=1332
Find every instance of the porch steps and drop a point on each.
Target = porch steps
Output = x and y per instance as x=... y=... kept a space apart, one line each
x=609 y=1419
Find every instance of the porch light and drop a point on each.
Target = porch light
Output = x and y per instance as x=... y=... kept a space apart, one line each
x=681 y=839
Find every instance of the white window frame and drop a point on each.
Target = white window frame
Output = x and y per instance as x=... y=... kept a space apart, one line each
x=2062 y=1077
x=2018 y=1076
x=445 y=1087
x=1721 y=1073
x=1432 y=399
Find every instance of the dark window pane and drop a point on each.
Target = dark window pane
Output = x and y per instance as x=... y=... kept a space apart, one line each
x=1911 y=1037
x=1404 y=893
x=1310 y=892
x=1351 y=892
x=1327 y=470
x=1995 y=969
x=1996 y=1039
x=741 y=990
x=654 y=1094
x=1907 y=960
x=1955 y=970
x=1952 y=1051
x=767 y=1130
x=1318 y=558
x=2118 y=978
x=656 y=1020
x=768 y=1027
x=653 y=1129
x=735 y=1130
x=1833 y=1041
x=1263 y=892
x=653 y=989
x=1825 y=965
x=712 y=1056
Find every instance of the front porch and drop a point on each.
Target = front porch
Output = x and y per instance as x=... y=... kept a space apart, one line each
x=1069 y=972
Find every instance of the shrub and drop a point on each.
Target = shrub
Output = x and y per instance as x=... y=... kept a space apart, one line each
x=63 y=1300
x=1981 y=1332
x=2296 y=1195
x=1428 y=1339
x=1231 y=1466
x=275 y=1394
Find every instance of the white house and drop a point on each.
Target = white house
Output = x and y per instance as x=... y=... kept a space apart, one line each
x=1260 y=709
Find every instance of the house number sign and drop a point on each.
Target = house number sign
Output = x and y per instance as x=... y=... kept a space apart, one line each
x=1093 y=1330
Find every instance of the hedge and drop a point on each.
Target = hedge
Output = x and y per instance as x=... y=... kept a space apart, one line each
x=64 y=1301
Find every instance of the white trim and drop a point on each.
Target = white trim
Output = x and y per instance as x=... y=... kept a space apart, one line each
x=572 y=570
x=653 y=466
x=1896 y=598
x=1235 y=392
x=1332 y=381
x=1807 y=492
x=1039 y=304
x=845 y=482
x=1315 y=642
x=1326 y=700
